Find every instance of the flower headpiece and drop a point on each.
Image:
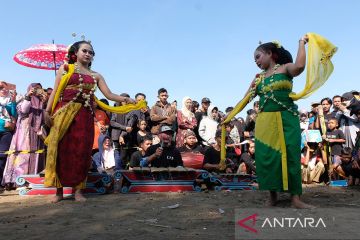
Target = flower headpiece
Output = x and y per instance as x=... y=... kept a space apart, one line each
x=82 y=37
x=277 y=43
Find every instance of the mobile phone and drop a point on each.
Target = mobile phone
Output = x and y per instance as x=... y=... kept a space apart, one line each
x=39 y=91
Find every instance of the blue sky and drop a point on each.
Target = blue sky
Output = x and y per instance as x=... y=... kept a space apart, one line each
x=193 y=48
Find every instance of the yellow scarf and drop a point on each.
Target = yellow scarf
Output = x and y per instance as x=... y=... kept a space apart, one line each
x=319 y=65
x=119 y=109
x=319 y=68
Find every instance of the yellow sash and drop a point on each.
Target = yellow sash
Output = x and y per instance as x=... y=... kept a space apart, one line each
x=118 y=109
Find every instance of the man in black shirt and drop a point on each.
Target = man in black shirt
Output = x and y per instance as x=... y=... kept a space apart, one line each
x=164 y=154
x=212 y=156
x=248 y=158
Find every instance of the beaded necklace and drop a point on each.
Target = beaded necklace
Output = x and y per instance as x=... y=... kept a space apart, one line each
x=270 y=94
x=85 y=96
x=260 y=79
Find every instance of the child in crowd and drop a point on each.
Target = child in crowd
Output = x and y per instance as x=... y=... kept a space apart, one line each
x=335 y=138
x=138 y=158
x=142 y=132
x=350 y=166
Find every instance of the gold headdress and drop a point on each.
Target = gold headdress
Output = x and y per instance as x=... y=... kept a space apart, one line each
x=82 y=37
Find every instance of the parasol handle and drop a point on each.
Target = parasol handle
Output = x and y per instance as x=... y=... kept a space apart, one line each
x=54 y=57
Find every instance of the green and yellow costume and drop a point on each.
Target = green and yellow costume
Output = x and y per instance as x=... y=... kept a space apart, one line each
x=277 y=130
x=277 y=136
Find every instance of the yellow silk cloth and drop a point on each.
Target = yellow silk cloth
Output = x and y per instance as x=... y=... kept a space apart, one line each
x=118 y=109
x=319 y=65
x=319 y=68
x=62 y=121
x=122 y=109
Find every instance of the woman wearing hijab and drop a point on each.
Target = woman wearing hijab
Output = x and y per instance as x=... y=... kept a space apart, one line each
x=27 y=137
x=186 y=120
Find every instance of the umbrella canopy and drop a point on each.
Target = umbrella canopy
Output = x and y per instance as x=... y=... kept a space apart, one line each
x=43 y=56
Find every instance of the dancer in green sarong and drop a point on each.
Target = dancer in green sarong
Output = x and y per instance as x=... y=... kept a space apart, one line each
x=277 y=129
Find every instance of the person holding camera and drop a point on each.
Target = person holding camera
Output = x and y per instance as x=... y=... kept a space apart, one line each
x=348 y=121
x=28 y=136
x=312 y=164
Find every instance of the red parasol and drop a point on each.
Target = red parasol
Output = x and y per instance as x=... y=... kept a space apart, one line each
x=43 y=56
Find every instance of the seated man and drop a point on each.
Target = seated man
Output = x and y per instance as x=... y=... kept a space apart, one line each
x=350 y=165
x=212 y=156
x=191 y=152
x=191 y=144
x=312 y=166
x=247 y=159
x=107 y=160
x=138 y=158
x=164 y=154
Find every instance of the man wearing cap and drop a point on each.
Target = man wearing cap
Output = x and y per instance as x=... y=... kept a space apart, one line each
x=348 y=122
x=164 y=154
x=313 y=112
x=356 y=94
x=199 y=114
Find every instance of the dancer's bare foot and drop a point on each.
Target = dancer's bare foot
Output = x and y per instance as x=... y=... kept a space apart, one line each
x=297 y=203
x=273 y=199
x=58 y=196
x=79 y=197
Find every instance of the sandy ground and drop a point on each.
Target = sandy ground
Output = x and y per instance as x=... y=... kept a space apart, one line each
x=204 y=215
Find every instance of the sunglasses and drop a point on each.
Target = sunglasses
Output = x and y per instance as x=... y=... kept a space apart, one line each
x=92 y=53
